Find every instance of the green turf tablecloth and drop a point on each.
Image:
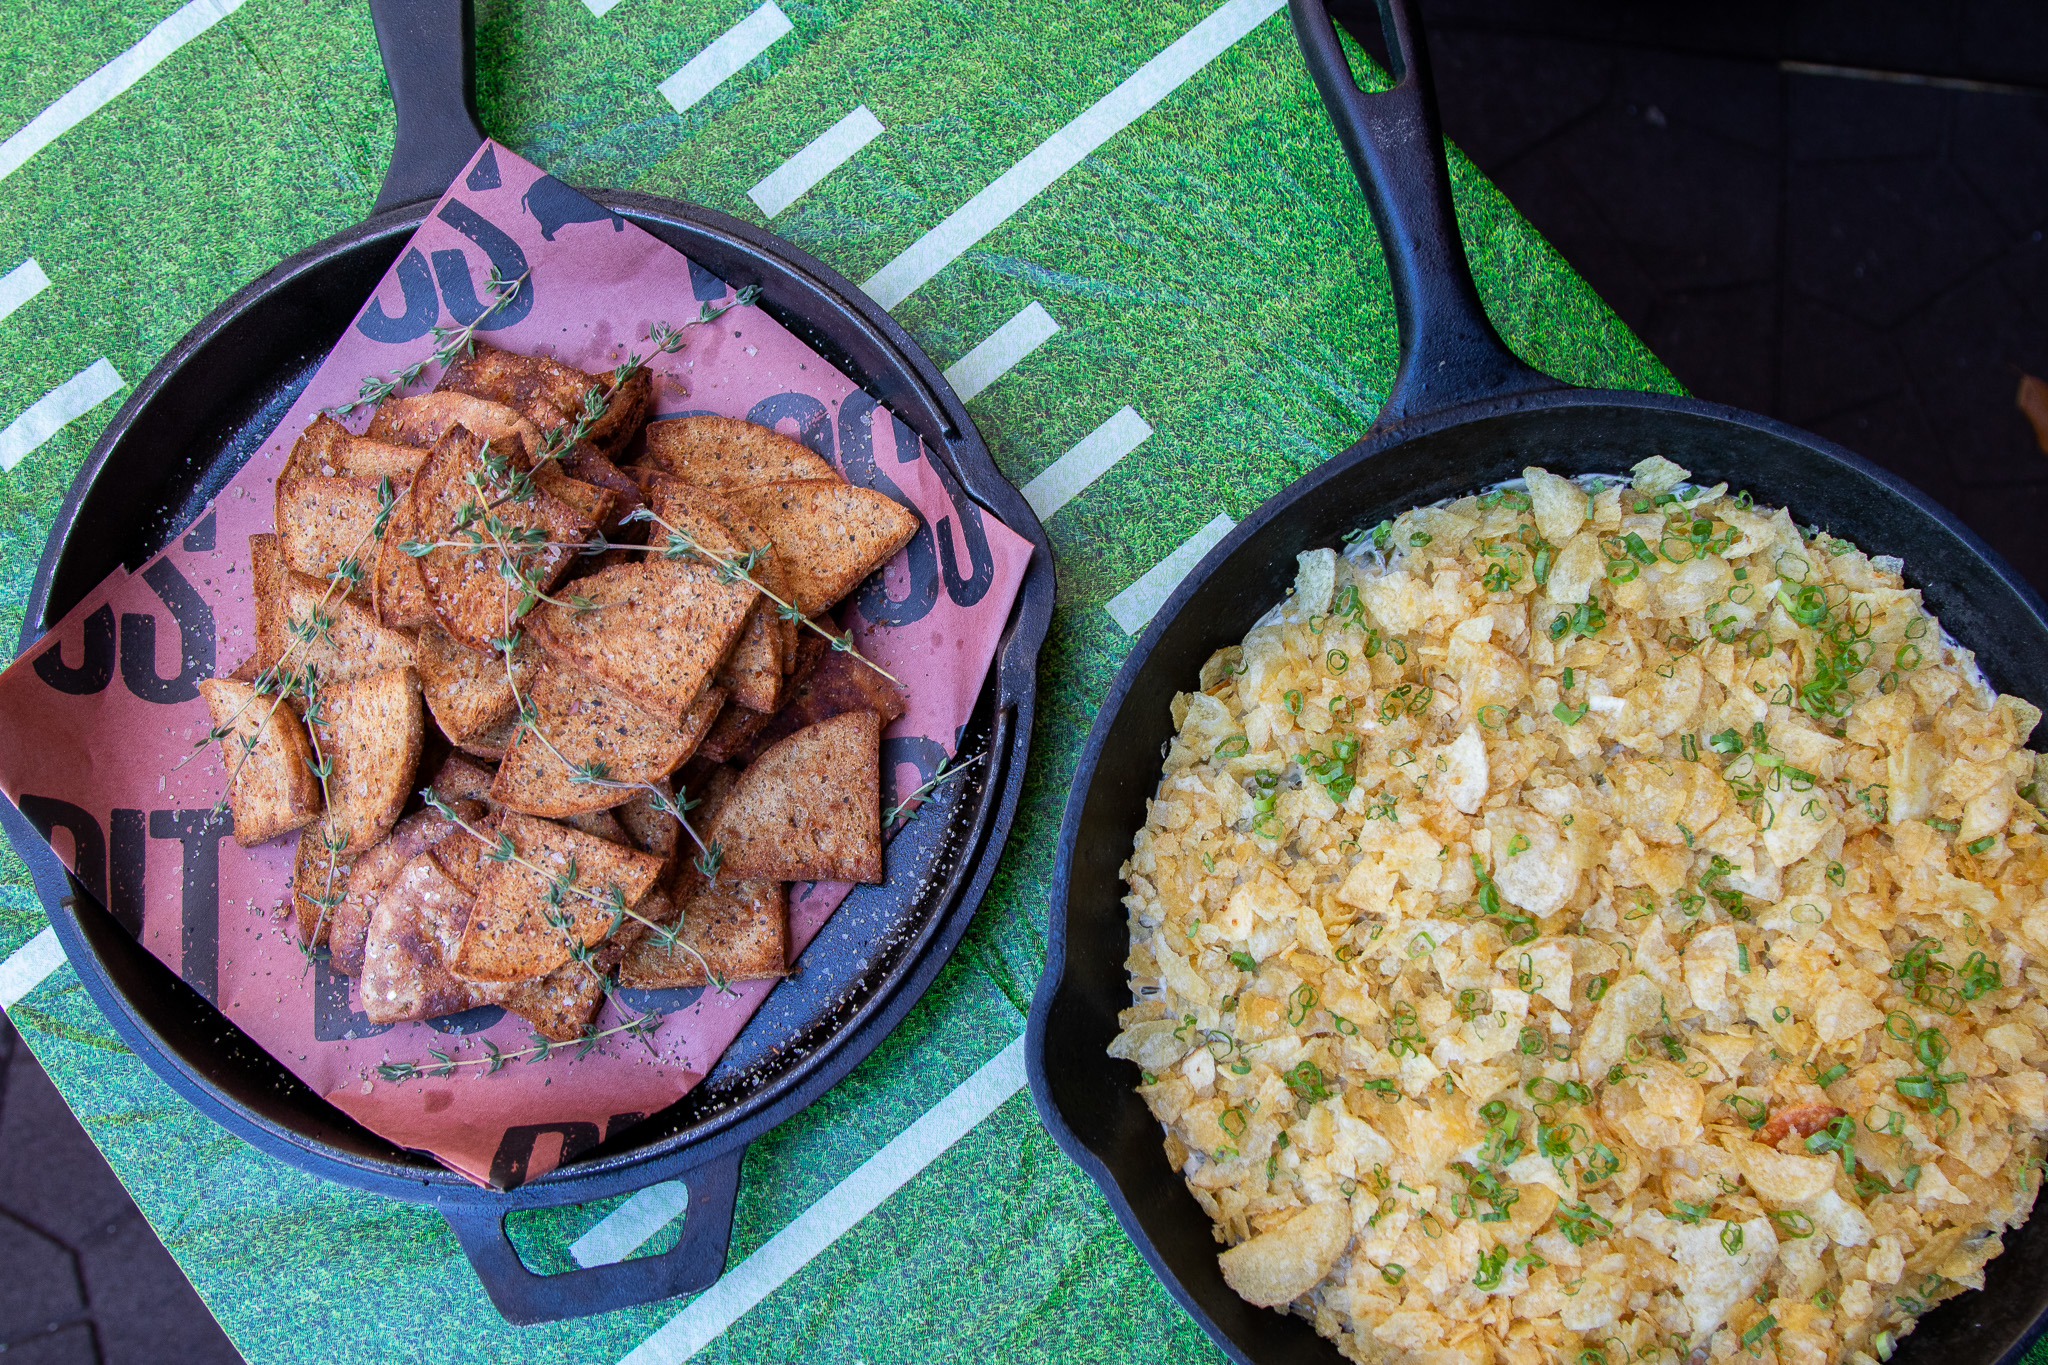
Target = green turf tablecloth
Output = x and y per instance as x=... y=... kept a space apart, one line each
x=1212 y=266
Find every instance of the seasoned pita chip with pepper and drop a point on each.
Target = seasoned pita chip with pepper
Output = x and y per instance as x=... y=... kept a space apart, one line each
x=327 y=449
x=739 y=930
x=726 y=538
x=263 y=748
x=592 y=741
x=655 y=632
x=370 y=874
x=323 y=522
x=464 y=566
x=405 y=975
x=840 y=683
x=467 y=689
x=422 y=421
x=725 y=452
x=333 y=634
x=828 y=535
x=809 y=808
x=551 y=394
x=319 y=879
x=514 y=935
x=369 y=729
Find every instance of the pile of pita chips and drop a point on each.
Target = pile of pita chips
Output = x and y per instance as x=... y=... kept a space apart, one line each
x=461 y=578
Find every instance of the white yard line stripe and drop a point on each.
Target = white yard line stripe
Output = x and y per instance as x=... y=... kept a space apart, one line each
x=1092 y=457
x=1137 y=604
x=626 y=1228
x=824 y=154
x=824 y=1222
x=1061 y=152
x=89 y=95
x=25 y=970
x=21 y=284
x=1004 y=347
x=600 y=8
x=725 y=56
x=69 y=401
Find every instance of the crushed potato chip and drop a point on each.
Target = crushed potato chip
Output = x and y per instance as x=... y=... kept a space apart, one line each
x=1597 y=917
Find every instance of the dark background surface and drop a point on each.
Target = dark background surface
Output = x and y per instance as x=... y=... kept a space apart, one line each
x=1832 y=213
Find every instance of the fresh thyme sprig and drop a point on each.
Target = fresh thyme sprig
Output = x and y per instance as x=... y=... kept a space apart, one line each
x=682 y=544
x=448 y=342
x=495 y=1058
x=946 y=773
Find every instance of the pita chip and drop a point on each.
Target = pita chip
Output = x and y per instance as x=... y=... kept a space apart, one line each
x=656 y=632
x=829 y=535
x=271 y=786
x=511 y=936
x=809 y=808
x=725 y=452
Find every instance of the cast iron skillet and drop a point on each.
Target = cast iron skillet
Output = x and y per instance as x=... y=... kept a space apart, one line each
x=1464 y=414
x=193 y=423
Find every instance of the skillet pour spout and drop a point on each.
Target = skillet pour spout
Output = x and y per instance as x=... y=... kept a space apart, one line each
x=1464 y=413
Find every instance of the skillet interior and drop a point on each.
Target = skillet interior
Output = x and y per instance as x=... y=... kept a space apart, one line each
x=197 y=419
x=1088 y=1098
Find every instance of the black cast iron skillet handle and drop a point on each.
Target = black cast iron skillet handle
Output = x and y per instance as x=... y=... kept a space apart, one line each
x=429 y=51
x=1450 y=353
x=692 y=1265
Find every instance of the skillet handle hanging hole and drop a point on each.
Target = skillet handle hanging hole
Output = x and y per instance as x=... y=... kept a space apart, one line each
x=429 y=51
x=525 y=1298
x=1450 y=353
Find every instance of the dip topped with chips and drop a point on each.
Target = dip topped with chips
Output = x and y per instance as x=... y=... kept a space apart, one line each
x=1597 y=921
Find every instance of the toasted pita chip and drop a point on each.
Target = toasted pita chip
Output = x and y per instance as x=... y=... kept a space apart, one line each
x=460 y=778
x=724 y=452
x=494 y=743
x=599 y=824
x=809 y=808
x=417 y=918
x=375 y=870
x=586 y=465
x=423 y=420
x=738 y=929
x=559 y=1005
x=370 y=729
x=732 y=734
x=828 y=535
x=550 y=393
x=840 y=683
x=267 y=584
x=725 y=537
x=586 y=723
x=348 y=642
x=467 y=689
x=657 y=632
x=319 y=879
x=321 y=522
x=511 y=938
x=271 y=786
x=593 y=504
x=562 y=1004
x=398 y=591
x=326 y=448
x=244 y=671
x=470 y=596
x=651 y=829
x=462 y=854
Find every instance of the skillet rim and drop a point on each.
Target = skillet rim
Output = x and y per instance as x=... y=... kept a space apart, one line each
x=907 y=375
x=1047 y=998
